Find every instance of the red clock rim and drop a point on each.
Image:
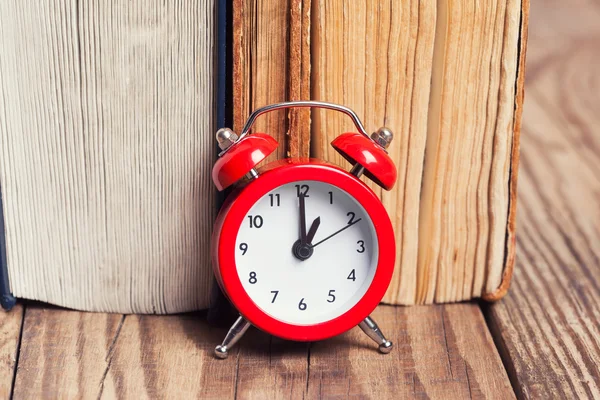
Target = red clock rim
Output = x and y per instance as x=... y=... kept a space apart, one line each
x=269 y=180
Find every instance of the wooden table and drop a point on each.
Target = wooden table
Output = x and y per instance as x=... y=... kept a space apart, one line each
x=541 y=341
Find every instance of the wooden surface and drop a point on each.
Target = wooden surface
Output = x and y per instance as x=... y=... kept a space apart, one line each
x=105 y=122
x=441 y=352
x=10 y=339
x=546 y=330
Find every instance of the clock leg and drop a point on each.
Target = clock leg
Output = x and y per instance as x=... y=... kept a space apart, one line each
x=372 y=330
x=237 y=330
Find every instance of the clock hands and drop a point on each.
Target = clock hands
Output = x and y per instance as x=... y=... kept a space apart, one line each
x=303 y=247
x=335 y=233
x=313 y=230
x=302 y=198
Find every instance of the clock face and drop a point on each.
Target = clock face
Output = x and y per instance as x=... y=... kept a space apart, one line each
x=311 y=278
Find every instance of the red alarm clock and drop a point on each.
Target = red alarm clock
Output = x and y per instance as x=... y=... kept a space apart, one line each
x=303 y=249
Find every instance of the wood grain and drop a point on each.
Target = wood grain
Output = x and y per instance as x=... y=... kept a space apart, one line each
x=547 y=327
x=441 y=352
x=64 y=354
x=271 y=368
x=106 y=131
x=169 y=357
x=10 y=338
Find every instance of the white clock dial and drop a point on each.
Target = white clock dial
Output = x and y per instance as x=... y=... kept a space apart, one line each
x=302 y=288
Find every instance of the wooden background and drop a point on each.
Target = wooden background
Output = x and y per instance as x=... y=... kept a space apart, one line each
x=541 y=342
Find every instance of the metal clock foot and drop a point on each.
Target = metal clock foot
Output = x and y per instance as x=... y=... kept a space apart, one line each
x=372 y=330
x=237 y=330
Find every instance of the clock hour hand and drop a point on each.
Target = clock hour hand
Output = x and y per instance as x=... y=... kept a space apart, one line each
x=313 y=230
x=335 y=233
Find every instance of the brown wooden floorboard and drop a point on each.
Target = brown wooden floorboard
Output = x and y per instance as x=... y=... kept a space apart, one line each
x=547 y=328
x=441 y=352
x=63 y=353
x=10 y=331
x=168 y=357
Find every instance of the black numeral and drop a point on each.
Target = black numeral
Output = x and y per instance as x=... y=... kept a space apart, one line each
x=275 y=293
x=256 y=221
x=352 y=216
x=253 y=279
x=244 y=248
x=330 y=197
x=275 y=199
x=352 y=275
x=361 y=246
x=302 y=304
x=302 y=190
x=331 y=298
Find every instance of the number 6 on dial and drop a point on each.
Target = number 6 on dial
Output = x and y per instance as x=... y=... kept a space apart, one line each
x=303 y=249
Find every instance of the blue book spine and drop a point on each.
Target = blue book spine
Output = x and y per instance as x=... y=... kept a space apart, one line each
x=221 y=313
x=7 y=300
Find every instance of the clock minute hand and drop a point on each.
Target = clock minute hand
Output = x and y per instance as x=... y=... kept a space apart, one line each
x=335 y=233
x=302 y=219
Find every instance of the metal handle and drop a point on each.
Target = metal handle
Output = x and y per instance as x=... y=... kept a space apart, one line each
x=303 y=104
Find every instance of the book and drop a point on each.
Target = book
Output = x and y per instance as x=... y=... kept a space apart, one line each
x=106 y=146
x=271 y=64
x=447 y=78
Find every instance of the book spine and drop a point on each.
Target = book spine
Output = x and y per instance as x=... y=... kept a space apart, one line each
x=220 y=312
x=7 y=300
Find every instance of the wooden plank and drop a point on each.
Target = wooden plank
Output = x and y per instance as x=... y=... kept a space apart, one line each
x=170 y=356
x=271 y=368
x=441 y=352
x=547 y=327
x=69 y=354
x=10 y=334
x=64 y=354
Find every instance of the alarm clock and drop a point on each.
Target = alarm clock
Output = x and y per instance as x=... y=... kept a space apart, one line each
x=303 y=249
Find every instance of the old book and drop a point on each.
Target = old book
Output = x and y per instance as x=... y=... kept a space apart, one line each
x=271 y=64
x=466 y=215
x=447 y=77
x=106 y=146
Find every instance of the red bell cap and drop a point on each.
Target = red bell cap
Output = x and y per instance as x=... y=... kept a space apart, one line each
x=241 y=158
x=356 y=148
